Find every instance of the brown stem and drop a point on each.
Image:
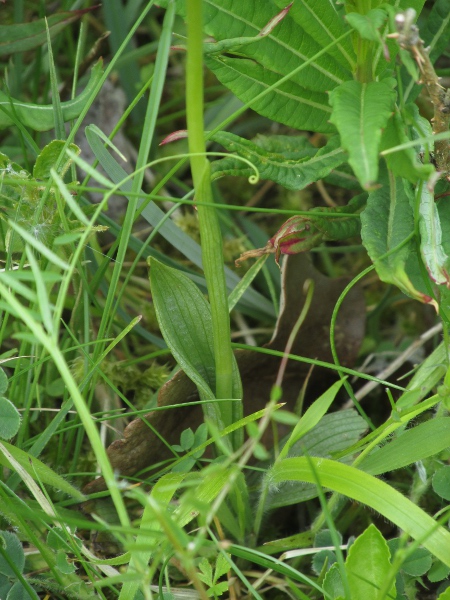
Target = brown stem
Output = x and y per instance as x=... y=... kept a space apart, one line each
x=409 y=39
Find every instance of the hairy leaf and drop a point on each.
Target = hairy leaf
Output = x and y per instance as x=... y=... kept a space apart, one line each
x=420 y=442
x=360 y=111
x=373 y=492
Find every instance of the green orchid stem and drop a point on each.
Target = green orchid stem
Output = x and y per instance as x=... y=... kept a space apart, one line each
x=210 y=233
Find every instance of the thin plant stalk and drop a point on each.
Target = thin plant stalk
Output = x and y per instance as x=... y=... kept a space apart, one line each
x=210 y=233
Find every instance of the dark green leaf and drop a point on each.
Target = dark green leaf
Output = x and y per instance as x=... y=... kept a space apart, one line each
x=324 y=24
x=13 y=548
x=290 y=161
x=288 y=103
x=9 y=419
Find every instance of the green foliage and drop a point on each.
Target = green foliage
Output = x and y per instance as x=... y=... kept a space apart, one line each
x=208 y=506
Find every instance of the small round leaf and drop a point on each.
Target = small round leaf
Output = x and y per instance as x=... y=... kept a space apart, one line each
x=3 y=381
x=11 y=547
x=9 y=419
x=441 y=482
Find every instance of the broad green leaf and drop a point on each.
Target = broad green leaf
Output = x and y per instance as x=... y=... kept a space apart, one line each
x=368 y=25
x=360 y=111
x=431 y=241
x=9 y=419
x=325 y=24
x=36 y=469
x=26 y=36
x=333 y=433
x=290 y=161
x=370 y=491
x=386 y=224
x=49 y=156
x=12 y=546
x=234 y=24
x=288 y=103
x=368 y=565
x=184 y=318
x=420 y=442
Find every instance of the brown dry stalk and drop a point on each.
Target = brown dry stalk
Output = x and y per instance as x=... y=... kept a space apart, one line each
x=408 y=38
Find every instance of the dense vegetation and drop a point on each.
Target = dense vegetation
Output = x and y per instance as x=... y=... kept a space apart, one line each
x=209 y=173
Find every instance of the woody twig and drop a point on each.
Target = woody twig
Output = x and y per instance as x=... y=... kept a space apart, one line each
x=408 y=38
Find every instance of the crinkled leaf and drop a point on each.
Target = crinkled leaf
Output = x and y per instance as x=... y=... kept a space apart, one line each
x=360 y=111
x=9 y=419
x=368 y=565
x=290 y=161
x=376 y=494
x=368 y=25
x=420 y=442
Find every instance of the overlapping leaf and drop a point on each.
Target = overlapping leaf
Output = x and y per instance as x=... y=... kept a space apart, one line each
x=250 y=68
x=290 y=161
